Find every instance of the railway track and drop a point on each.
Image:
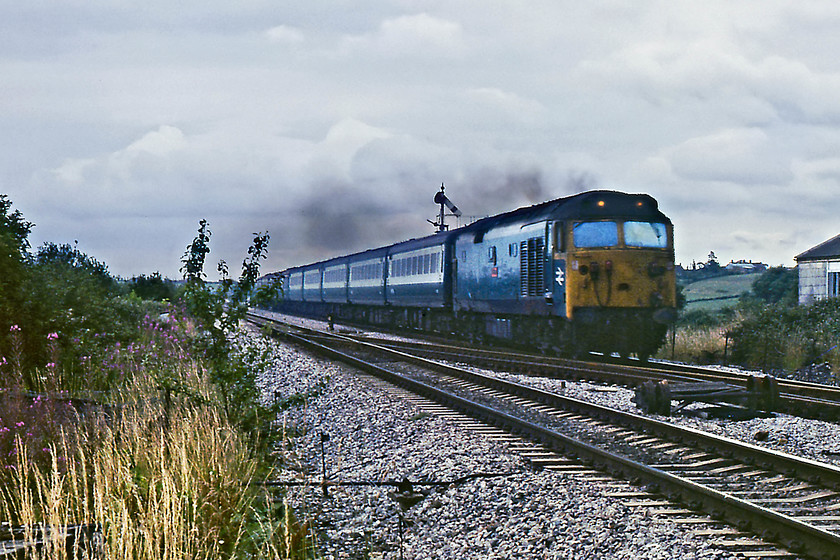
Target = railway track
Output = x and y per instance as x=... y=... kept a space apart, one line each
x=799 y=398
x=786 y=499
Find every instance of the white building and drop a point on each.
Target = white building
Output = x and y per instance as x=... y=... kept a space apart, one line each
x=819 y=271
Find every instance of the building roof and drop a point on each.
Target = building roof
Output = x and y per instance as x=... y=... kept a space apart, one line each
x=825 y=250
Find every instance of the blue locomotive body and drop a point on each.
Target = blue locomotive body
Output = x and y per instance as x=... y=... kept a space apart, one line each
x=592 y=271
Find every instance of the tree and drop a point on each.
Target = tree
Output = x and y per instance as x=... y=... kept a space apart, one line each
x=712 y=265
x=153 y=287
x=14 y=258
x=73 y=295
x=778 y=285
x=219 y=311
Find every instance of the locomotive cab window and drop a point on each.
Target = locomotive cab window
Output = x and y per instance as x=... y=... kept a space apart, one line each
x=645 y=234
x=595 y=234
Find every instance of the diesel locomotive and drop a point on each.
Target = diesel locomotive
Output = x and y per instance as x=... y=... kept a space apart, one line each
x=589 y=272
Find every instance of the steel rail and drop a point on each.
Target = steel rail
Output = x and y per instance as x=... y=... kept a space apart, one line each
x=808 y=469
x=795 y=534
x=791 y=388
x=796 y=397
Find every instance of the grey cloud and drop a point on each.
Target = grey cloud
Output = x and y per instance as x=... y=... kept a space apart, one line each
x=735 y=156
x=332 y=125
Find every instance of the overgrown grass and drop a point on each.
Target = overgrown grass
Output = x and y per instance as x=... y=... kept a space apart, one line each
x=697 y=345
x=152 y=477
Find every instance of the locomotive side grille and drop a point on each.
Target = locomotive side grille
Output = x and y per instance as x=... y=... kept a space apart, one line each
x=532 y=267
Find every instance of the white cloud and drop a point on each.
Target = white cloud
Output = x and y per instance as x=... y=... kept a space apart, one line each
x=506 y=102
x=161 y=142
x=720 y=71
x=285 y=34
x=417 y=35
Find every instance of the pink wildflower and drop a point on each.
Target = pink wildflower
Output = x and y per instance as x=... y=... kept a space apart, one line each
x=14 y=328
x=52 y=336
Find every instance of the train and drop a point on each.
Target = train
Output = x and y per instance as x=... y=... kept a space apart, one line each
x=591 y=272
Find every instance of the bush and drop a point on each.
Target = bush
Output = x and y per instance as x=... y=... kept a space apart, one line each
x=73 y=297
x=778 y=285
x=218 y=312
x=160 y=464
x=783 y=337
x=153 y=287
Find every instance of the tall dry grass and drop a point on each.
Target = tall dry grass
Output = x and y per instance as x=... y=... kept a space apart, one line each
x=697 y=344
x=153 y=482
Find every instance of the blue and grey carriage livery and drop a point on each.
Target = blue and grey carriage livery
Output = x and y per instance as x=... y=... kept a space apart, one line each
x=593 y=271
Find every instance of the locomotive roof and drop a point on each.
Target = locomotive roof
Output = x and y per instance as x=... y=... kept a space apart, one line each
x=589 y=205
x=600 y=204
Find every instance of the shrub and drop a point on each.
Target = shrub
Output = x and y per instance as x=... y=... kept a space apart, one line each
x=218 y=312
x=783 y=337
x=777 y=285
x=153 y=287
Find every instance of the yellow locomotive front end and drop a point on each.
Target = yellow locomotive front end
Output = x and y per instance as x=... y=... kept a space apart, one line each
x=620 y=283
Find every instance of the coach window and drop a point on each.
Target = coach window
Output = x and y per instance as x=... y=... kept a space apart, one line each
x=491 y=255
x=595 y=234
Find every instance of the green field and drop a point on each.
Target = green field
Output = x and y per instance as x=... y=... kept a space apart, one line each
x=713 y=294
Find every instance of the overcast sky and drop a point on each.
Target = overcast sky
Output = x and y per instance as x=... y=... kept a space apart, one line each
x=331 y=125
